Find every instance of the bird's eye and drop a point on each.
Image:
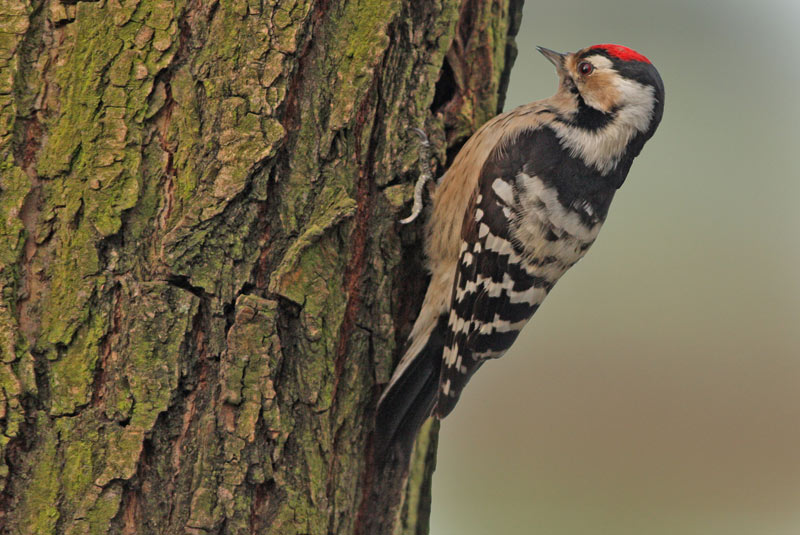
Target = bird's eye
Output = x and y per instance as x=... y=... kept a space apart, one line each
x=585 y=68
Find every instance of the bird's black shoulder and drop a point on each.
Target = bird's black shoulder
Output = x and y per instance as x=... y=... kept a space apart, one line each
x=539 y=152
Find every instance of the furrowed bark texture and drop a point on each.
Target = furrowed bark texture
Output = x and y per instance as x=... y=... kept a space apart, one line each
x=204 y=284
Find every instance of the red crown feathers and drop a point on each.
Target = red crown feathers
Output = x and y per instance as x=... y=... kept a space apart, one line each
x=622 y=52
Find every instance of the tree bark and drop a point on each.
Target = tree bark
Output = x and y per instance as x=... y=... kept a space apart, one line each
x=204 y=284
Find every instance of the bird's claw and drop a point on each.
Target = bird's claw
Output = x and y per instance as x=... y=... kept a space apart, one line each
x=425 y=175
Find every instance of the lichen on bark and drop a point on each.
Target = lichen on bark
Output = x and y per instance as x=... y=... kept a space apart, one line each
x=203 y=284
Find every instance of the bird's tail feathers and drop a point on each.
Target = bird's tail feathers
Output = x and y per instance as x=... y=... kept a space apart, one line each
x=411 y=394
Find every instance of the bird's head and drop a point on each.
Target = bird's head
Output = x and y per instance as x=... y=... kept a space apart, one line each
x=607 y=84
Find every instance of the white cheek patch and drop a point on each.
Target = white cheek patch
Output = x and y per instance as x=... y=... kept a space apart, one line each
x=637 y=103
x=603 y=148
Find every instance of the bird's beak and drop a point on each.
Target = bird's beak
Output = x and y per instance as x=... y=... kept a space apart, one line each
x=556 y=58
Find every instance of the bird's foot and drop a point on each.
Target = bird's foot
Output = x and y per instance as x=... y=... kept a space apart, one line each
x=425 y=174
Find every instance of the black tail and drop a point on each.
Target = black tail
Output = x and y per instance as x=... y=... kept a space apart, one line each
x=410 y=398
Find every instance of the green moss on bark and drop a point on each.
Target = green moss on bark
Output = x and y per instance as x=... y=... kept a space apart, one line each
x=204 y=279
x=38 y=508
x=16 y=373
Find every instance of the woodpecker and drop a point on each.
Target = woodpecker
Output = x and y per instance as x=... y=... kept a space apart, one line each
x=521 y=203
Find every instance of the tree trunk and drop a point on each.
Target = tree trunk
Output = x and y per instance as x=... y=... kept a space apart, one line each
x=204 y=284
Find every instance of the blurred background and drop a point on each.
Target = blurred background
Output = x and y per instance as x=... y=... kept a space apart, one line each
x=657 y=390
